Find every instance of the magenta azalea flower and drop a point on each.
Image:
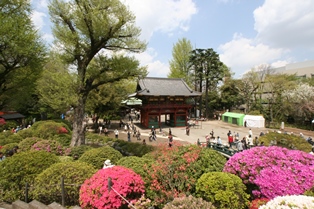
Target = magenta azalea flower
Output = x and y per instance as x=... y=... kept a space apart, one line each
x=94 y=192
x=273 y=171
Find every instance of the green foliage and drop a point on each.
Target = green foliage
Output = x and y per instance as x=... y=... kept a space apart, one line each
x=179 y=64
x=79 y=150
x=8 y=125
x=63 y=139
x=93 y=138
x=22 y=54
x=224 y=190
x=205 y=162
x=138 y=164
x=97 y=156
x=132 y=148
x=27 y=143
x=20 y=169
x=10 y=138
x=51 y=146
x=66 y=158
x=310 y=192
x=189 y=202
x=25 y=133
x=48 y=129
x=286 y=141
x=8 y=147
x=47 y=185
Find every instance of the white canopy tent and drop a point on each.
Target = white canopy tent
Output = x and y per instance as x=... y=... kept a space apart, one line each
x=254 y=121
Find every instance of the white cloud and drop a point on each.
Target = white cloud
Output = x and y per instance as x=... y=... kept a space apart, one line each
x=38 y=19
x=164 y=16
x=40 y=4
x=241 y=54
x=156 y=68
x=286 y=24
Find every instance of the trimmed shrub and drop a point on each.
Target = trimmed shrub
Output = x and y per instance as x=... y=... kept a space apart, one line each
x=176 y=170
x=131 y=148
x=51 y=146
x=63 y=139
x=94 y=193
x=48 y=129
x=286 y=141
x=27 y=143
x=8 y=125
x=137 y=164
x=47 y=185
x=273 y=171
x=223 y=190
x=20 y=169
x=25 y=133
x=79 y=150
x=293 y=201
x=6 y=148
x=66 y=158
x=10 y=138
x=97 y=156
x=189 y=202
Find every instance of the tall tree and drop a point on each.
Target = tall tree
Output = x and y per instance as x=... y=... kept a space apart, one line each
x=56 y=86
x=179 y=64
x=21 y=53
x=208 y=71
x=82 y=28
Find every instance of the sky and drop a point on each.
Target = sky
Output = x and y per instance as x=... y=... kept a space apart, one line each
x=245 y=33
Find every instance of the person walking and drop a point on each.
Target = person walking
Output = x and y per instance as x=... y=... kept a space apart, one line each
x=116 y=133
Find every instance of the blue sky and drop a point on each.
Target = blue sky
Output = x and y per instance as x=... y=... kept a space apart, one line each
x=245 y=33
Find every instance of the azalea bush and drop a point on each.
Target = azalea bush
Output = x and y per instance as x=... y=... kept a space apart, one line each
x=286 y=141
x=189 y=202
x=48 y=129
x=51 y=146
x=293 y=201
x=273 y=171
x=97 y=156
x=176 y=170
x=138 y=164
x=47 y=184
x=223 y=190
x=256 y=203
x=27 y=143
x=20 y=169
x=94 y=193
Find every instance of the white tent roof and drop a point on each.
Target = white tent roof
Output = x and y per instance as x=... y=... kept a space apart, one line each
x=254 y=121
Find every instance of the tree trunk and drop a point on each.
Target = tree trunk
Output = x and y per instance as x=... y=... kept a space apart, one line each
x=78 y=134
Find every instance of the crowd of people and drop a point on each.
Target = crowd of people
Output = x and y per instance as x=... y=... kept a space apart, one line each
x=234 y=140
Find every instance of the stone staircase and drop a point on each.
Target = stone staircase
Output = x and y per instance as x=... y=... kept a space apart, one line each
x=33 y=205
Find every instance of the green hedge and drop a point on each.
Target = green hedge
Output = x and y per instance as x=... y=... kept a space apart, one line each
x=97 y=156
x=286 y=141
x=20 y=169
x=47 y=185
x=224 y=190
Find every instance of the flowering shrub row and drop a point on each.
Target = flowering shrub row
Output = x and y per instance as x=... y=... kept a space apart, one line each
x=293 y=201
x=94 y=193
x=273 y=171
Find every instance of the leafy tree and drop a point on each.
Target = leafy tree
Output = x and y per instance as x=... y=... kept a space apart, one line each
x=21 y=53
x=85 y=31
x=275 y=85
x=56 y=85
x=179 y=64
x=229 y=94
x=208 y=71
x=300 y=100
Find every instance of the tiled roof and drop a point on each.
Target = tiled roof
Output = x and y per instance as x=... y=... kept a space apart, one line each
x=11 y=116
x=150 y=86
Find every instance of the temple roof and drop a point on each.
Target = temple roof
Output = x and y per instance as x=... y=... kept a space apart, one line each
x=150 y=86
